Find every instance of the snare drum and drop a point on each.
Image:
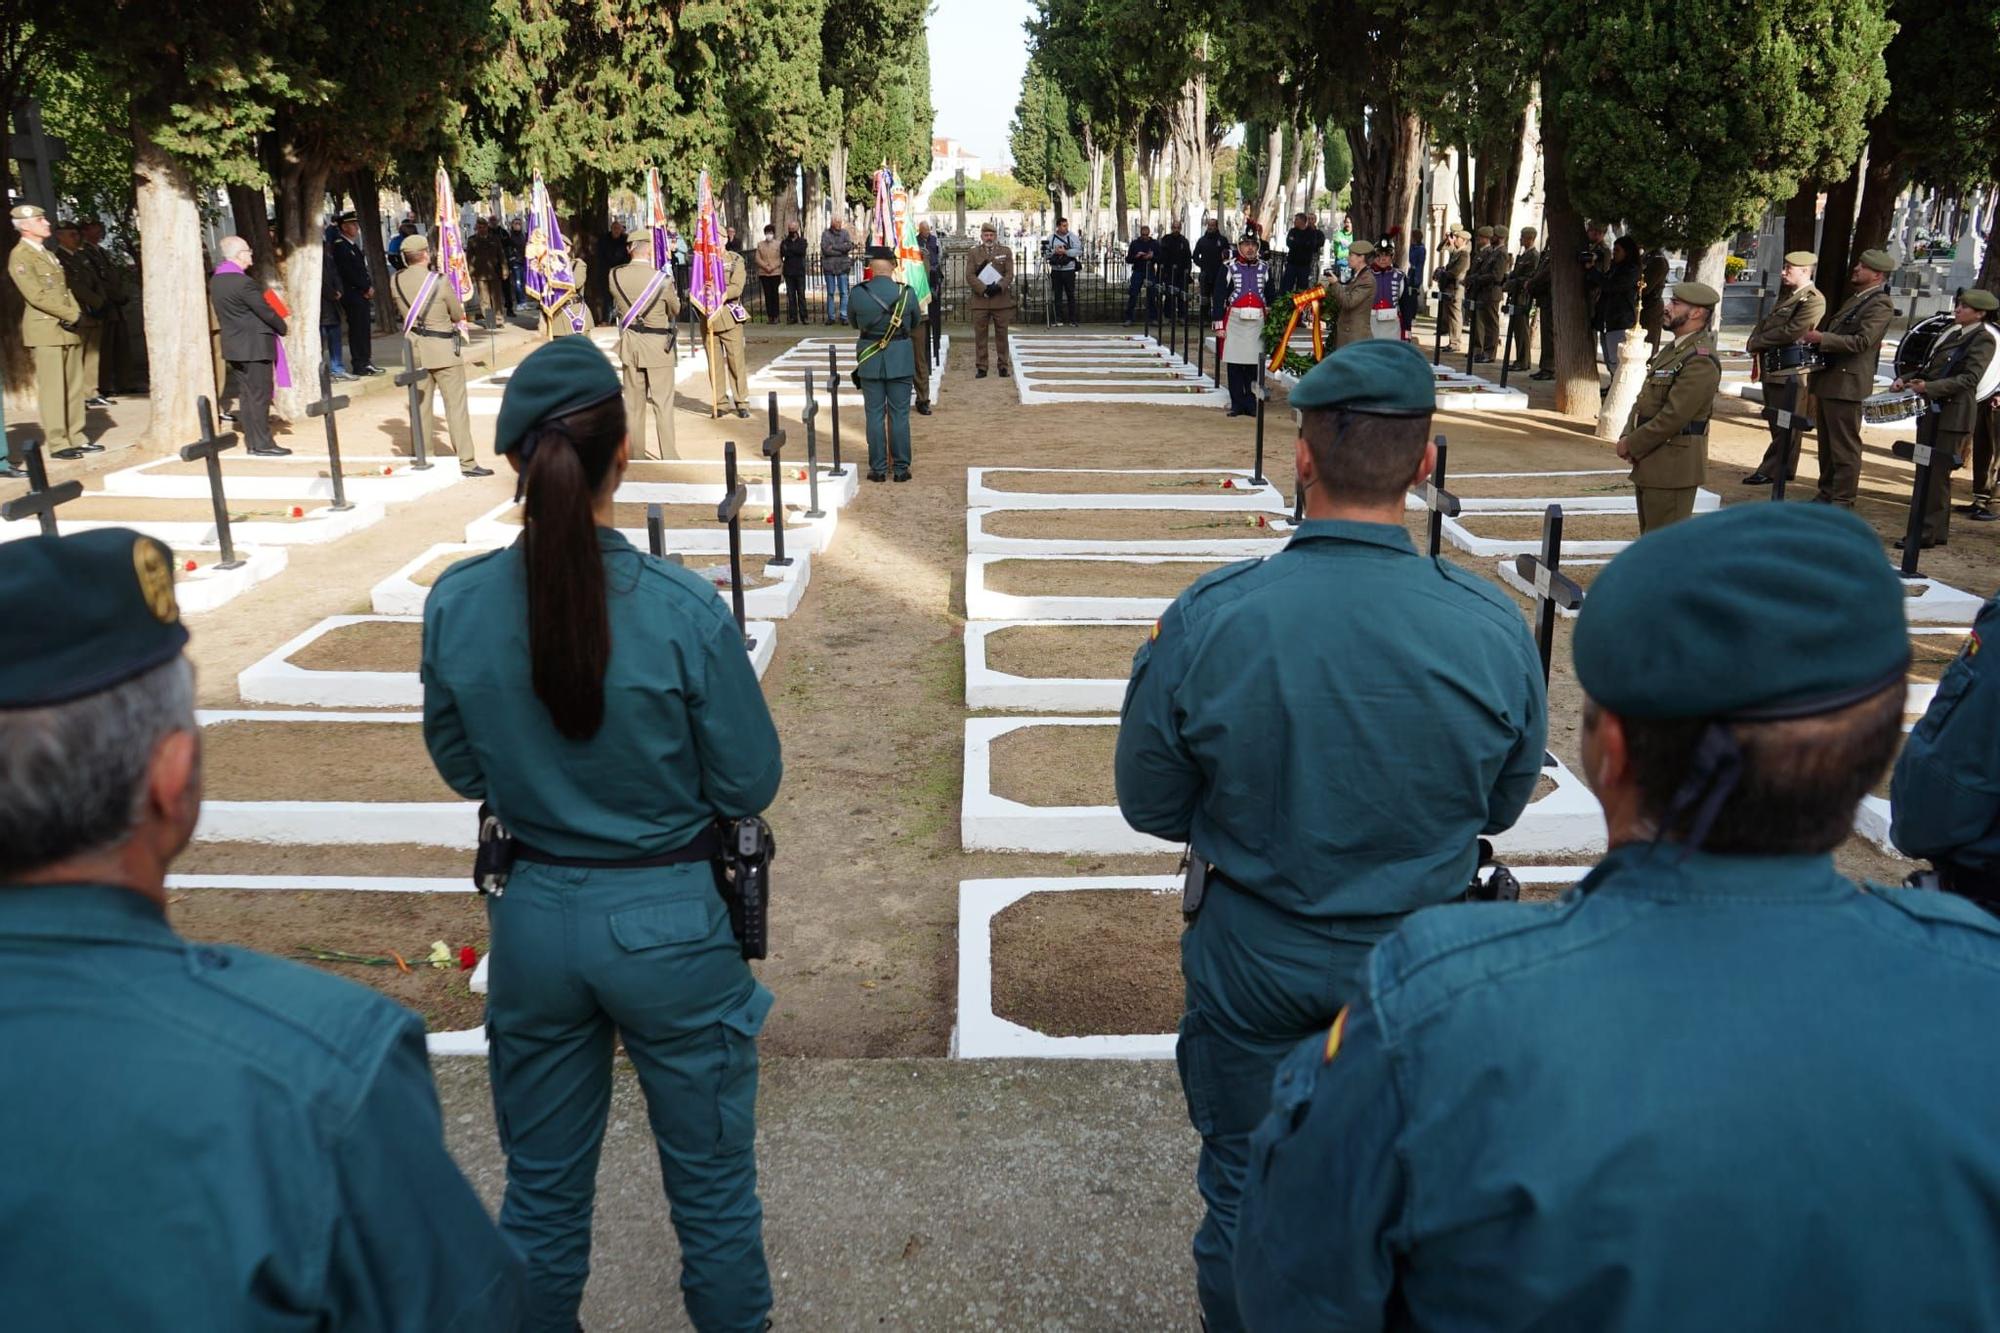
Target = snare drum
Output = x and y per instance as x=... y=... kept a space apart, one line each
x=1798 y=359
x=1888 y=409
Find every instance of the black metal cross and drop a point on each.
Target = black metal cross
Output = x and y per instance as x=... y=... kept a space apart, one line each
x=730 y=511
x=774 y=450
x=1553 y=589
x=1441 y=502
x=809 y=417
x=1792 y=422
x=1511 y=308
x=413 y=378
x=1471 y=308
x=656 y=530
x=833 y=401
x=1261 y=394
x=326 y=406
x=42 y=498
x=209 y=449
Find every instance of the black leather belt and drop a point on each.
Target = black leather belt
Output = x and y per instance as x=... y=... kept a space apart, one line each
x=646 y=328
x=1691 y=428
x=707 y=845
x=432 y=333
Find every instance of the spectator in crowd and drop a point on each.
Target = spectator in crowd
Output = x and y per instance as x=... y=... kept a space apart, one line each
x=357 y=295
x=1303 y=245
x=395 y=251
x=488 y=262
x=836 y=265
x=792 y=255
x=1139 y=256
x=517 y=264
x=113 y=361
x=1065 y=252
x=251 y=332
x=770 y=268
x=731 y=243
x=1616 y=297
x=1419 y=252
x=1211 y=254
x=613 y=250
x=1653 y=297
x=1175 y=262
x=678 y=256
x=1341 y=240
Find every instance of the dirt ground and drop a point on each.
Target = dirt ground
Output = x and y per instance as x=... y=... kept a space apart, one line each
x=1082 y=652
x=1056 y=765
x=376 y=645
x=868 y=690
x=319 y=761
x=1095 y=961
x=1103 y=483
x=1187 y=525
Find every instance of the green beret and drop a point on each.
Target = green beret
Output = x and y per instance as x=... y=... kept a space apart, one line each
x=1483 y=231
x=1770 y=610
x=1381 y=376
x=1979 y=299
x=1696 y=293
x=642 y=250
x=414 y=244
x=1529 y=234
x=556 y=379
x=1878 y=260
x=82 y=613
x=1362 y=248
x=1803 y=258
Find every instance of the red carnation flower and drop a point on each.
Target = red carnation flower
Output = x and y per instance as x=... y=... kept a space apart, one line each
x=468 y=958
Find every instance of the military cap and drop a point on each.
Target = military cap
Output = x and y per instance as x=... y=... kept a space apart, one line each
x=414 y=244
x=1878 y=260
x=555 y=379
x=349 y=216
x=1382 y=377
x=1979 y=299
x=1529 y=234
x=642 y=251
x=22 y=212
x=66 y=224
x=1484 y=231
x=881 y=252
x=1361 y=249
x=82 y=613
x=1802 y=258
x=1457 y=232
x=1755 y=611
x=1696 y=293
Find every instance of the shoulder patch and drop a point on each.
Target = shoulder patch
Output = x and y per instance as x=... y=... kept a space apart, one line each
x=1333 y=1036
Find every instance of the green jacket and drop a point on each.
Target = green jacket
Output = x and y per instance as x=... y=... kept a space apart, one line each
x=1681 y=381
x=1270 y=720
x=870 y=308
x=1700 y=1092
x=194 y=1136
x=1945 y=797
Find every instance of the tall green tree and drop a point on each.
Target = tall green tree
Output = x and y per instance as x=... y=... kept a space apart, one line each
x=876 y=78
x=1043 y=138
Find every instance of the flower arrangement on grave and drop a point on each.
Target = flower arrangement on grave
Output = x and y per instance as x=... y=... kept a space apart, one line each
x=1280 y=319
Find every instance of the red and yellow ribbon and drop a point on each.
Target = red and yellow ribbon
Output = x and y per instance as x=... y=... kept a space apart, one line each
x=1305 y=302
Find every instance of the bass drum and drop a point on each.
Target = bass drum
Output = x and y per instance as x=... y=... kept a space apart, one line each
x=1915 y=349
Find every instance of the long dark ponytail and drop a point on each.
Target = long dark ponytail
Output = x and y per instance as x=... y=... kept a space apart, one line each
x=569 y=621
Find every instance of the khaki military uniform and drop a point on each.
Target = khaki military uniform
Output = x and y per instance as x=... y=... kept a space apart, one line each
x=991 y=313
x=646 y=349
x=48 y=306
x=1526 y=265
x=1354 y=307
x=727 y=361
x=1785 y=323
x=434 y=338
x=1853 y=341
x=1950 y=386
x=1483 y=285
x=1451 y=277
x=1668 y=437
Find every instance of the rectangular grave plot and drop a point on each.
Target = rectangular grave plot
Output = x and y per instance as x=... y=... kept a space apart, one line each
x=240 y=465
x=303 y=866
x=1614 y=486
x=1159 y=526
x=1090 y=962
x=430 y=573
x=270 y=760
x=1930 y=654
x=1095 y=578
x=1579 y=527
x=1056 y=766
x=1057 y=481
x=632 y=517
x=99 y=508
x=1075 y=652
x=369 y=645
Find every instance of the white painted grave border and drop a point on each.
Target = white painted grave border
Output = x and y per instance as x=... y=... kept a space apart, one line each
x=146 y=479
x=981 y=604
x=810 y=535
x=987 y=688
x=317 y=528
x=1232 y=542
x=208 y=587
x=1705 y=501
x=1242 y=496
x=1456 y=533
x=834 y=492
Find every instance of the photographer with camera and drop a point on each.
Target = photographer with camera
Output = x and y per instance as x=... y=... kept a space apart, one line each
x=599 y=702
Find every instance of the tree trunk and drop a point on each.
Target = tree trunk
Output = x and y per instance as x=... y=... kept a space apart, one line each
x=736 y=209
x=368 y=213
x=811 y=206
x=1094 y=192
x=1881 y=183
x=1802 y=218
x=1145 y=189
x=175 y=296
x=1576 y=360
x=1835 y=250
x=300 y=196
x=1194 y=158
x=1468 y=204
x=251 y=213
x=836 y=180
x=1270 y=177
x=1121 y=228
x=1626 y=382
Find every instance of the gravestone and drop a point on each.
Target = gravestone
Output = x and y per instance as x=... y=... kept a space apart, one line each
x=810 y=417
x=42 y=498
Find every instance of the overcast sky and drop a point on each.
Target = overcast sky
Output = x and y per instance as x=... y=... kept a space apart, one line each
x=978 y=52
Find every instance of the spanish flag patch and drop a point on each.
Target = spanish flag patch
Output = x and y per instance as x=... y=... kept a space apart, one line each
x=1971 y=644
x=1333 y=1035
x=1150 y=638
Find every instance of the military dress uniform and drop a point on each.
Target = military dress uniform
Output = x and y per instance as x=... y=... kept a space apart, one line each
x=1796 y=311
x=727 y=339
x=1704 y=1090
x=1950 y=374
x=195 y=1136
x=995 y=312
x=93 y=297
x=1667 y=439
x=1944 y=800
x=624 y=948
x=1852 y=340
x=1522 y=323
x=1337 y=771
x=111 y=377
x=1483 y=285
x=647 y=305
x=1354 y=300
x=434 y=339
x=884 y=312
x=1451 y=278
x=51 y=329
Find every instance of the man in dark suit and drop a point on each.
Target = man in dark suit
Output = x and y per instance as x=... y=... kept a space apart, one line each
x=357 y=296
x=249 y=329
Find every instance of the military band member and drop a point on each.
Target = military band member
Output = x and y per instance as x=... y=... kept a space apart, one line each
x=647 y=347
x=1949 y=376
x=1451 y=274
x=433 y=318
x=1321 y=835
x=1852 y=342
x=1800 y=307
x=52 y=331
x=992 y=303
x=1667 y=442
x=725 y=324
x=1522 y=322
x=1354 y=300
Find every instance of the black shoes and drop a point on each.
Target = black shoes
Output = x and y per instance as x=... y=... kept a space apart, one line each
x=8 y=472
x=923 y=409
x=742 y=411
x=97 y=400
x=371 y=369
x=270 y=451
x=71 y=452
x=979 y=374
x=1232 y=412
x=1005 y=371
x=878 y=476
x=1981 y=514
x=1757 y=479
x=92 y=447
x=475 y=471
x=1922 y=546
x=1543 y=375
x=904 y=475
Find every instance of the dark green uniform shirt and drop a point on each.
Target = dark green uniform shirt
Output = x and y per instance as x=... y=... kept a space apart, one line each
x=1945 y=799
x=1720 y=1092
x=1334 y=727
x=869 y=308
x=199 y=1137
x=686 y=735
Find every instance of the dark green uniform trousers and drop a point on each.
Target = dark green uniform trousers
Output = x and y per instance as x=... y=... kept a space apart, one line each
x=885 y=405
x=1259 y=981
x=582 y=958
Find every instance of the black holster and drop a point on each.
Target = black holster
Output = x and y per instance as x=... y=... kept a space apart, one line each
x=1499 y=886
x=743 y=878
x=494 y=861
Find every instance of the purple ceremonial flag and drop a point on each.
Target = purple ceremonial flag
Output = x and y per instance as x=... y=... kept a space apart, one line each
x=656 y=218
x=705 y=279
x=550 y=279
